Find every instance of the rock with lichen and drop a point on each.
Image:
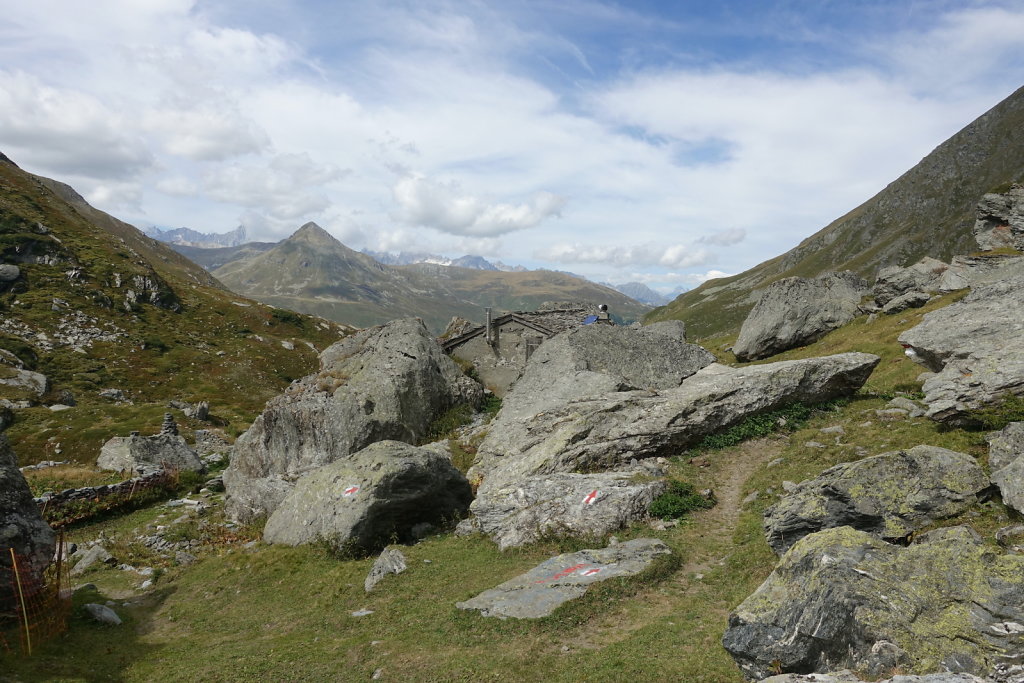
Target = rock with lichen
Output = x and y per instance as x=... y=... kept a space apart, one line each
x=842 y=598
x=888 y=495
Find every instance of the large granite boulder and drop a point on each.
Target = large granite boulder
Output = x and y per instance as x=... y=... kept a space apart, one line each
x=842 y=598
x=147 y=454
x=1006 y=459
x=563 y=504
x=888 y=495
x=598 y=359
x=975 y=347
x=21 y=527
x=386 y=382
x=1000 y=220
x=371 y=498
x=796 y=311
x=927 y=275
x=605 y=432
x=538 y=592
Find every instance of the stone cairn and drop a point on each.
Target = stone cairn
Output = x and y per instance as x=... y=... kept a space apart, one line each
x=169 y=426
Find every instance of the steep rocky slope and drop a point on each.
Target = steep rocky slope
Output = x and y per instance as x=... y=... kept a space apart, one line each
x=88 y=303
x=928 y=211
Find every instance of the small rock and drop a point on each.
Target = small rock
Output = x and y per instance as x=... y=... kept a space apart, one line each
x=751 y=497
x=102 y=614
x=892 y=414
x=147 y=584
x=836 y=429
x=789 y=486
x=391 y=561
x=362 y=612
x=814 y=444
x=776 y=461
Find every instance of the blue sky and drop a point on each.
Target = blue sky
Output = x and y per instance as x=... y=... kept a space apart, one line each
x=662 y=142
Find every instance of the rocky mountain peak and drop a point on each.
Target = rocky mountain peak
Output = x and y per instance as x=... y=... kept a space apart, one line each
x=314 y=234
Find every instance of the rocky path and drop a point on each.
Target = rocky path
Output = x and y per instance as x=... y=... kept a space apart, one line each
x=707 y=541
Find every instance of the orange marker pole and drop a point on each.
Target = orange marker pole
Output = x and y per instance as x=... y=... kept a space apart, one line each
x=24 y=608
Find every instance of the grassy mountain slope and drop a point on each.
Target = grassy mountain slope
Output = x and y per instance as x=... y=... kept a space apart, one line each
x=928 y=211
x=177 y=335
x=311 y=271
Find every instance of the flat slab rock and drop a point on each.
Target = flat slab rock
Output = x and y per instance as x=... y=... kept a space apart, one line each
x=538 y=592
x=522 y=511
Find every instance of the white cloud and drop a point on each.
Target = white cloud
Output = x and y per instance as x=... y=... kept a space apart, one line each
x=725 y=238
x=672 y=256
x=67 y=131
x=206 y=132
x=445 y=207
x=287 y=188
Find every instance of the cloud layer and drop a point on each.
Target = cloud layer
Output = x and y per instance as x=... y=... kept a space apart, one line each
x=627 y=145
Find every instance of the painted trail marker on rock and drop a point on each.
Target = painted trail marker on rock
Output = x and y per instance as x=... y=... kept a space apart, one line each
x=591 y=497
x=538 y=592
x=350 y=491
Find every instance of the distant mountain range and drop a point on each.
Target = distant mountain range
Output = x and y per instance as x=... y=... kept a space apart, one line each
x=313 y=272
x=191 y=238
x=928 y=211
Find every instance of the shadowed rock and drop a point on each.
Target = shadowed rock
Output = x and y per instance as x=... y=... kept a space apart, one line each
x=21 y=527
x=541 y=590
x=796 y=311
x=842 y=598
x=888 y=495
x=371 y=498
x=388 y=382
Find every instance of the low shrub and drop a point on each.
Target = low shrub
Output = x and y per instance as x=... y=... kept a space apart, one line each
x=789 y=418
x=679 y=500
x=1009 y=409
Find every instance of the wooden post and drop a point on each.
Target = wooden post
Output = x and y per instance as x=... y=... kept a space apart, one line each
x=24 y=607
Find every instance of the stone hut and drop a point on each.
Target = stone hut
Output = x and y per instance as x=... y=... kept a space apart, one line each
x=500 y=348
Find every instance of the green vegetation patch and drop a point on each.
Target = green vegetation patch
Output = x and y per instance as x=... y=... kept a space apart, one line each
x=679 y=500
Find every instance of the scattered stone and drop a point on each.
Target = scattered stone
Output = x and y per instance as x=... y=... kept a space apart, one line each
x=976 y=348
x=371 y=497
x=387 y=382
x=796 y=311
x=390 y=561
x=538 y=592
x=905 y=301
x=789 y=486
x=146 y=585
x=1011 y=537
x=287 y=345
x=115 y=395
x=184 y=559
x=888 y=495
x=22 y=527
x=95 y=554
x=839 y=594
x=58 y=407
x=892 y=414
x=751 y=497
x=835 y=429
x=814 y=444
x=102 y=614
x=901 y=403
x=776 y=462
x=362 y=613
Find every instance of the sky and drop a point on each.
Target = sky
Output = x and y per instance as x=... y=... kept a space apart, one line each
x=657 y=142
